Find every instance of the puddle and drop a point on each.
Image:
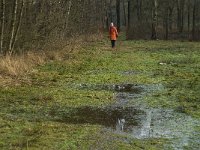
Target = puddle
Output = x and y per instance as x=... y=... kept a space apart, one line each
x=107 y=116
x=158 y=123
x=128 y=88
x=129 y=115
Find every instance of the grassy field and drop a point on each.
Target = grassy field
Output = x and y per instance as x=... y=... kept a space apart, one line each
x=31 y=112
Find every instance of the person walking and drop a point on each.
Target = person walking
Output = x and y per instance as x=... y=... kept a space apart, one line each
x=113 y=34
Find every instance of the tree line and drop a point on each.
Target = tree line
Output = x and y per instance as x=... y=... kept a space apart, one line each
x=163 y=19
x=156 y=19
x=31 y=24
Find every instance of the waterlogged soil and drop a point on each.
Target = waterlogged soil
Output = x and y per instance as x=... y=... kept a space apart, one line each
x=130 y=116
x=81 y=104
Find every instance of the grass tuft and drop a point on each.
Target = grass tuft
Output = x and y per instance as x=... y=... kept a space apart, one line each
x=18 y=65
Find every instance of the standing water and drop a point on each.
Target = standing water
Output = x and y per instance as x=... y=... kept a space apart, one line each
x=130 y=116
x=159 y=123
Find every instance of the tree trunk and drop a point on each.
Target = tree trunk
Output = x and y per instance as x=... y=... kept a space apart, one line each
x=154 y=20
x=2 y=25
x=110 y=11
x=13 y=26
x=129 y=15
x=124 y=10
x=118 y=14
x=68 y=14
x=107 y=20
x=170 y=17
x=178 y=15
x=188 y=16
x=182 y=15
x=139 y=9
x=167 y=24
x=19 y=24
x=194 y=20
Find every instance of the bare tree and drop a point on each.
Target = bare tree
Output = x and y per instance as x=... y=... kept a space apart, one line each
x=2 y=25
x=180 y=14
x=129 y=14
x=14 y=19
x=188 y=16
x=19 y=24
x=124 y=12
x=154 y=19
x=167 y=21
x=194 y=19
x=171 y=12
x=139 y=9
x=118 y=14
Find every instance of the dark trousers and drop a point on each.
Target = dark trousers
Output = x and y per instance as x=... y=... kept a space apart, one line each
x=113 y=43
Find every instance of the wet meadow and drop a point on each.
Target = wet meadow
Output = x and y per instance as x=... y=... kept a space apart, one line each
x=141 y=95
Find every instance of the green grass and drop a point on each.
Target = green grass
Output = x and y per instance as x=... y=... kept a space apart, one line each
x=29 y=113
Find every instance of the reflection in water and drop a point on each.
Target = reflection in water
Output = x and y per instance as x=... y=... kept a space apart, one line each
x=120 y=125
x=129 y=115
x=109 y=116
x=146 y=125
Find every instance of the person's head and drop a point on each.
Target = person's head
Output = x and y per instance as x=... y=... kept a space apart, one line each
x=111 y=24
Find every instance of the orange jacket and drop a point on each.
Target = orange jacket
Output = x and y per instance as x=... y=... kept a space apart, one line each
x=113 y=33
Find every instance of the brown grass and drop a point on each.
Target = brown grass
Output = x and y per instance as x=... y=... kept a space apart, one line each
x=19 y=65
x=14 y=67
